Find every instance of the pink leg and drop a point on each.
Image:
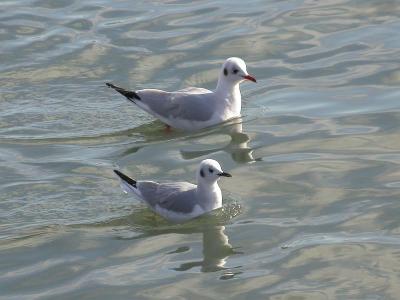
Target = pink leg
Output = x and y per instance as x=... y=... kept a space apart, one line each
x=168 y=128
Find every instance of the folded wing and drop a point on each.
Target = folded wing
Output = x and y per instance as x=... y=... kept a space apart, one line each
x=190 y=104
x=178 y=196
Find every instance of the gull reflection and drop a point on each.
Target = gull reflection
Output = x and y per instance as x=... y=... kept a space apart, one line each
x=216 y=250
x=237 y=147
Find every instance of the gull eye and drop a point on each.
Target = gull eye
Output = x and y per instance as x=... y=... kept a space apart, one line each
x=225 y=72
x=235 y=71
x=201 y=173
x=211 y=170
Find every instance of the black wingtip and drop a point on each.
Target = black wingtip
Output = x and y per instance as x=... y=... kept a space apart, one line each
x=130 y=95
x=125 y=178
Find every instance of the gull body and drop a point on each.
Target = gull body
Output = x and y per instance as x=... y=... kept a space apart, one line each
x=180 y=201
x=195 y=108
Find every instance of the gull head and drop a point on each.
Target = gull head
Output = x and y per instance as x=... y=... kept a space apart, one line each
x=234 y=71
x=210 y=171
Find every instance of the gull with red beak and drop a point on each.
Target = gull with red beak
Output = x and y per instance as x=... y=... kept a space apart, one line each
x=195 y=108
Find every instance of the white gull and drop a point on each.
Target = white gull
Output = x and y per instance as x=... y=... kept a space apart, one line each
x=180 y=201
x=195 y=108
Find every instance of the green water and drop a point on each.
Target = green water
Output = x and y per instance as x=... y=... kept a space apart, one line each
x=312 y=209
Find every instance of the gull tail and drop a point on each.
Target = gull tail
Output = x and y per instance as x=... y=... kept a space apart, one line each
x=130 y=95
x=127 y=184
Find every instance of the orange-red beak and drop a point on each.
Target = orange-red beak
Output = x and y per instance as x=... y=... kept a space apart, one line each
x=249 y=77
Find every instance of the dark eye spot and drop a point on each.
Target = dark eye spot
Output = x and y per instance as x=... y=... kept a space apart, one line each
x=211 y=170
x=225 y=72
x=201 y=173
x=235 y=71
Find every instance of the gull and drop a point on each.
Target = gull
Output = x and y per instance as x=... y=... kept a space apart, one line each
x=180 y=201
x=195 y=108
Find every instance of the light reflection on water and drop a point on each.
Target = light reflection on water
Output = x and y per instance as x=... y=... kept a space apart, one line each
x=311 y=211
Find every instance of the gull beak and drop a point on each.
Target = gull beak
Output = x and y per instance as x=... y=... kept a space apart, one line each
x=224 y=174
x=249 y=77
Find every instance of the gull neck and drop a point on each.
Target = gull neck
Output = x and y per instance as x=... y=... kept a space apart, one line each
x=225 y=87
x=210 y=193
x=230 y=100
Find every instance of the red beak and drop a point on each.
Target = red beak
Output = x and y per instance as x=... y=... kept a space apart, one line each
x=249 y=77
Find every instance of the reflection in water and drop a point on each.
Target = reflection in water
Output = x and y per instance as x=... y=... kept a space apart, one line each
x=237 y=147
x=216 y=250
x=143 y=224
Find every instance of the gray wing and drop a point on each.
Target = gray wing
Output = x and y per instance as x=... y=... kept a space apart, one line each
x=192 y=104
x=194 y=90
x=177 y=196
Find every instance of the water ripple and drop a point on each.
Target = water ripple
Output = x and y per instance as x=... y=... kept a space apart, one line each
x=314 y=160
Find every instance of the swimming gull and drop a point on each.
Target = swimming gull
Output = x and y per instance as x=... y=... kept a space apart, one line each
x=180 y=201
x=195 y=108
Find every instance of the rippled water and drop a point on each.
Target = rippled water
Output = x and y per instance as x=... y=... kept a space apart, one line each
x=312 y=211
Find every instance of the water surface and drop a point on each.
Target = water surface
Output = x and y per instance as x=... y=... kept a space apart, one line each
x=311 y=211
